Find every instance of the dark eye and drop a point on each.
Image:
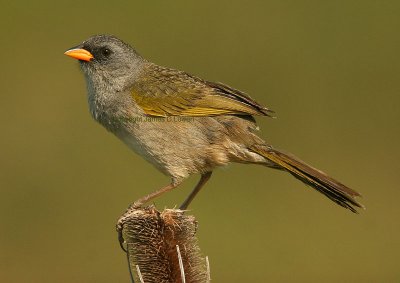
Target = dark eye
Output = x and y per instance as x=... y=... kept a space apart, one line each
x=106 y=52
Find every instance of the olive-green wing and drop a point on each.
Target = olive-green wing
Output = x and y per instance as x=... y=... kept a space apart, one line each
x=166 y=92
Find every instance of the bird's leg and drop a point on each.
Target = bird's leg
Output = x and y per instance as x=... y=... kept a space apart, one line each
x=155 y=194
x=204 y=178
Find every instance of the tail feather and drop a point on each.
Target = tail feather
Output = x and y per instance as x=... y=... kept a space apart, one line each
x=334 y=190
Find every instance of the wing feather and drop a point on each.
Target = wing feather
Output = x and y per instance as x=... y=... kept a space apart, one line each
x=165 y=92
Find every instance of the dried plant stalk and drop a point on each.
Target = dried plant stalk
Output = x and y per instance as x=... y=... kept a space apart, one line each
x=162 y=245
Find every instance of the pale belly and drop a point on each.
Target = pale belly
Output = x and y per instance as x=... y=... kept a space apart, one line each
x=177 y=149
x=182 y=148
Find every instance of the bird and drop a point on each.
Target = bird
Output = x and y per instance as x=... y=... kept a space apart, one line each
x=182 y=124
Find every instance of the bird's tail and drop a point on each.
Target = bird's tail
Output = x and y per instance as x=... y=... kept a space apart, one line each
x=313 y=177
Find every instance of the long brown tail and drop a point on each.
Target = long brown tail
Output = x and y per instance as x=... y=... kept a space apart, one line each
x=315 y=178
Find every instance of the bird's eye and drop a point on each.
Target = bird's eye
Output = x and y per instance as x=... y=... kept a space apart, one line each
x=106 y=52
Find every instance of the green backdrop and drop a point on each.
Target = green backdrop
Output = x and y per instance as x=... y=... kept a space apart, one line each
x=330 y=70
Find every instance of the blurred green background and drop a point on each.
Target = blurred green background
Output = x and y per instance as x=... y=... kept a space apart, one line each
x=330 y=70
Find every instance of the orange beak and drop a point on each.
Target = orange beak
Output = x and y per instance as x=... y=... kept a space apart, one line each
x=80 y=54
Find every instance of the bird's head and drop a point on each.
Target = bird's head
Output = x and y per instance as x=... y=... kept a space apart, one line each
x=107 y=59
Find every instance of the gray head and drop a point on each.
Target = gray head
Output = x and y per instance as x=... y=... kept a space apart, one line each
x=108 y=61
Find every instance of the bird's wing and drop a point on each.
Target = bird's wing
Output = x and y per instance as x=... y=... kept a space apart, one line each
x=166 y=92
